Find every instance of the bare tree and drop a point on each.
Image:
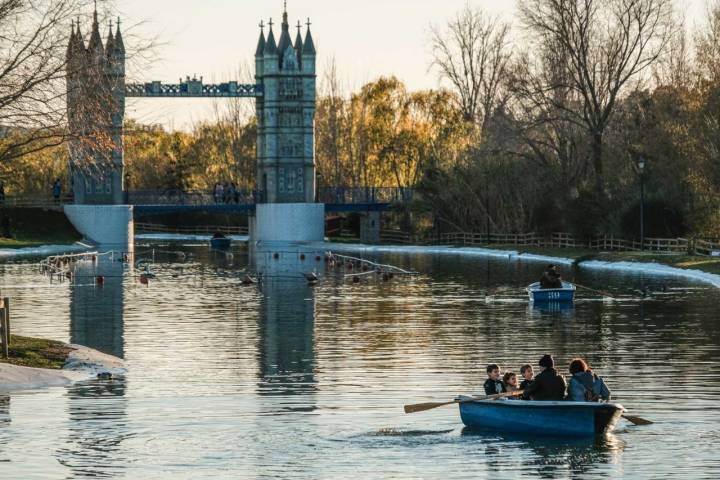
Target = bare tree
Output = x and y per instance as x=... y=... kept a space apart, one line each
x=605 y=44
x=675 y=68
x=473 y=53
x=331 y=106
x=33 y=39
x=707 y=42
x=234 y=115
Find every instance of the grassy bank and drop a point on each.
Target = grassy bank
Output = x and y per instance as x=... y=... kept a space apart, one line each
x=36 y=352
x=30 y=227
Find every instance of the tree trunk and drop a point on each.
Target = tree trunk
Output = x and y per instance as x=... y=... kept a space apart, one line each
x=597 y=160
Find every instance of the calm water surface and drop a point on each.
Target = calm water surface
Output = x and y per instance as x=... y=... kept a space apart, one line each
x=289 y=381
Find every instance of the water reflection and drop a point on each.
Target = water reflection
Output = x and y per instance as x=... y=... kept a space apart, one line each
x=96 y=304
x=4 y=409
x=97 y=428
x=286 y=339
x=548 y=457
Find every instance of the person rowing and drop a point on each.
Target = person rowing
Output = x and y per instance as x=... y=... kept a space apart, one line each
x=548 y=384
x=551 y=278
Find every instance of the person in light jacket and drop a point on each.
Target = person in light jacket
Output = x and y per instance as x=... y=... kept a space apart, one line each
x=585 y=385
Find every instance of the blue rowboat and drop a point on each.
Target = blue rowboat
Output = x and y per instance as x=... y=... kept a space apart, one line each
x=220 y=243
x=566 y=419
x=564 y=294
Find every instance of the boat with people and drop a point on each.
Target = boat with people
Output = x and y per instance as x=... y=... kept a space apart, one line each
x=564 y=293
x=553 y=418
x=220 y=242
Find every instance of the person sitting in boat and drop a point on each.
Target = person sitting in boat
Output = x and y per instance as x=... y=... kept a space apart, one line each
x=585 y=385
x=493 y=385
x=548 y=384
x=526 y=371
x=550 y=278
x=510 y=382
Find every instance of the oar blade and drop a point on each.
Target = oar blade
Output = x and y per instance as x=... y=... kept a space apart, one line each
x=637 y=420
x=421 y=407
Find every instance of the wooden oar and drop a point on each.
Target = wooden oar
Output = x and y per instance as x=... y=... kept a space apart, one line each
x=601 y=292
x=421 y=407
x=637 y=420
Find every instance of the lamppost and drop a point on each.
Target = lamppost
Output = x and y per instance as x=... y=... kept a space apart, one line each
x=641 y=170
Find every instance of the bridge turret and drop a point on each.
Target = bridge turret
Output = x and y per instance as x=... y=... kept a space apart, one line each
x=95 y=48
x=299 y=45
x=260 y=51
x=308 y=52
x=270 y=63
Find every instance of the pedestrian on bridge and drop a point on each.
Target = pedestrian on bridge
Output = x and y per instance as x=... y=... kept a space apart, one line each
x=218 y=192
x=57 y=190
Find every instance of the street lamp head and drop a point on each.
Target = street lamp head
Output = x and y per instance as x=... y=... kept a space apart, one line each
x=641 y=164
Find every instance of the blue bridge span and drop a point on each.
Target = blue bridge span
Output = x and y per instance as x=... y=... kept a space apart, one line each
x=336 y=200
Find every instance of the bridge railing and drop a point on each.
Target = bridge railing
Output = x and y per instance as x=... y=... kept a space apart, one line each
x=355 y=195
x=186 y=197
x=144 y=227
x=328 y=195
x=35 y=200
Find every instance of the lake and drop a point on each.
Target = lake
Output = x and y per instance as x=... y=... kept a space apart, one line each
x=287 y=380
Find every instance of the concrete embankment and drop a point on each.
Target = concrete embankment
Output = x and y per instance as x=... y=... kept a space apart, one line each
x=82 y=363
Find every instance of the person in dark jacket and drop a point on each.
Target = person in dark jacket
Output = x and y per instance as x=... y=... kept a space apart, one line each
x=551 y=278
x=548 y=384
x=493 y=385
x=584 y=385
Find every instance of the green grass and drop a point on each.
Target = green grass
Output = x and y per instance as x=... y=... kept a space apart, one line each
x=31 y=227
x=36 y=352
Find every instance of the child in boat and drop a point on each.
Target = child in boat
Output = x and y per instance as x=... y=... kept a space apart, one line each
x=510 y=382
x=584 y=385
x=493 y=385
x=526 y=371
x=548 y=384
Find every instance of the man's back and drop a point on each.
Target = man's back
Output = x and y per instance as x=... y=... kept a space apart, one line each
x=548 y=385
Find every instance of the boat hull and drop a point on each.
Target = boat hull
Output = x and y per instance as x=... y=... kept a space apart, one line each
x=564 y=294
x=220 y=243
x=571 y=419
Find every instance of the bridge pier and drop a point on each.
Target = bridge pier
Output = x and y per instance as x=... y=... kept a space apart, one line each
x=288 y=222
x=107 y=225
x=370 y=227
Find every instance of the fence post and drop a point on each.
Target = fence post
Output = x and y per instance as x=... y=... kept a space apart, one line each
x=6 y=302
x=4 y=339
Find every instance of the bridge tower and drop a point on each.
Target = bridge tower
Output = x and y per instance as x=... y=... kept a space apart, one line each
x=96 y=109
x=286 y=115
x=285 y=112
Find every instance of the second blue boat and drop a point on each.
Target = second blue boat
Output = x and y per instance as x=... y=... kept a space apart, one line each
x=564 y=294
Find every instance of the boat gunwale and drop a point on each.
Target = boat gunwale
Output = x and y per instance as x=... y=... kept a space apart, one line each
x=535 y=287
x=549 y=404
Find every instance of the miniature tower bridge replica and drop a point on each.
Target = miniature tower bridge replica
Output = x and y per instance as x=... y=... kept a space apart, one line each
x=284 y=93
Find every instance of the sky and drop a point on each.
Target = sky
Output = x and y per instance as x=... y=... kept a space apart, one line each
x=215 y=38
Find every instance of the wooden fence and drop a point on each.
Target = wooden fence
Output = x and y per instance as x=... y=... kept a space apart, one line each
x=603 y=243
x=191 y=229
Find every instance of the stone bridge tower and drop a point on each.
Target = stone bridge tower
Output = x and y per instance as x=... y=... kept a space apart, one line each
x=285 y=115
x=95 y=110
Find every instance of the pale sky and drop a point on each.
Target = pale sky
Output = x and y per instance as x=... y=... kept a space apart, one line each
x=368 y=38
